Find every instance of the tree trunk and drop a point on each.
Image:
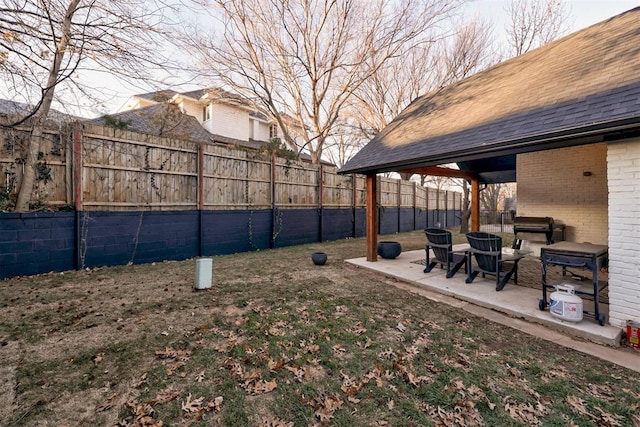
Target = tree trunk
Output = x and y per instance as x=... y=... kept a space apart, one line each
x=40 y=118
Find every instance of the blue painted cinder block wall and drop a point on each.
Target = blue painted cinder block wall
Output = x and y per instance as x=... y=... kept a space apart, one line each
x=34 y=243
x=117 y=238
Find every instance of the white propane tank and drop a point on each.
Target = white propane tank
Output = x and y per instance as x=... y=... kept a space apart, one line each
x=565 y=304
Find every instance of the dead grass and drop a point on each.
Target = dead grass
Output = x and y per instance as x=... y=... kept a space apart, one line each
x=278 y=341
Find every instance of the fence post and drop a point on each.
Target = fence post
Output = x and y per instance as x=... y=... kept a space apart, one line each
x=446 y=208
x=399 y=205
x=414 y=203
x=438 y=207
x=354 y=196
x=378 y=198
x=320 y=201
x=77 y=191
x=68 y=164
x=200 y=196
x=272 y=240
x=426 y=206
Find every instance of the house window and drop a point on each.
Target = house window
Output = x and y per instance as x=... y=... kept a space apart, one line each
x=273 y=131
x=206 y=113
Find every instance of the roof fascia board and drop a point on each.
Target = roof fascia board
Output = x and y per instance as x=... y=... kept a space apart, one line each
x=565 y=138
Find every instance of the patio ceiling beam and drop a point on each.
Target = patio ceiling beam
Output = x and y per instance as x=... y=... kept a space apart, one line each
x=440 y=171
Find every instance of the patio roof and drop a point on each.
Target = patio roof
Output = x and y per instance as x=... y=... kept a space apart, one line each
x=581 y=89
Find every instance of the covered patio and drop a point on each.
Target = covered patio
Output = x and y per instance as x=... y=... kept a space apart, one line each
x=563 y=122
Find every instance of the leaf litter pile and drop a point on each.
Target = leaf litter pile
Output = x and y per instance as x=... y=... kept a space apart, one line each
x=278 y=341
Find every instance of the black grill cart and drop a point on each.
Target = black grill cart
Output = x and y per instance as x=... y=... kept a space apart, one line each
x=572 y=255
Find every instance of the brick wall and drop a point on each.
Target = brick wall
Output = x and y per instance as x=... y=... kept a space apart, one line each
x=551 y=183
x=623 y=160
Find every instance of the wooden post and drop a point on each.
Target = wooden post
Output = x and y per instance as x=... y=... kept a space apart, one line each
x=372 y=217
x=68 y=165
x=200 y=197
x=320 y=201
x=414 y=203
x=77 y=193
x=475 y=204
x=272 y=239
x=354 y=195
x=399 y=204
x=77 y=166
x=426 y=205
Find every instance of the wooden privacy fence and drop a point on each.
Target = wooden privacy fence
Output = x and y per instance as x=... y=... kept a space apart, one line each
x=96 y=168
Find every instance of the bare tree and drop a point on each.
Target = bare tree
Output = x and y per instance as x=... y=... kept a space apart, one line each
x=418 y=71
x=306 y=58
x=471 y=49
x=45 y=45
x=344 y=143
x=387 y=92
x=534 y=23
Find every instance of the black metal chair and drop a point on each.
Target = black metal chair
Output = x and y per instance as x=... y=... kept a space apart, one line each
x=486 y=248
x=440 y=242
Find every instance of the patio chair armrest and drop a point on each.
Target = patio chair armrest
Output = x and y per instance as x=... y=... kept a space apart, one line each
x=437 y=245
x=512 y=258
x=481 y=252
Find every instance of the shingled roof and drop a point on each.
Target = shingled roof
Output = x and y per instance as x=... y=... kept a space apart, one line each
x=166 y=119
x=158 y=119
x=583 y=88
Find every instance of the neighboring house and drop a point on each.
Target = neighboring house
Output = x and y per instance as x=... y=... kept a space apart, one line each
x=224 y=117
x=162 y=119
x=221 y=113
x=563 y=121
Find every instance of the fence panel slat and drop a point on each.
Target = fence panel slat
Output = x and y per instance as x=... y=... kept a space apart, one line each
x=123 y=170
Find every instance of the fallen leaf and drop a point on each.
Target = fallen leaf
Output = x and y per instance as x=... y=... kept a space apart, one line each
x=274 y=422
x=164 y=396
x=325 y=405
x=108 y=404
x=390 y=405
x=192 y=406
x=274 y=365
x=216 y=404
x=577 y=404
x=260 y=386
x=401 y=327
x=514 y=372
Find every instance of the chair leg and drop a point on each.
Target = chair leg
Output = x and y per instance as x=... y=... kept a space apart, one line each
x=470 y=276
x=430 y=266
x=454 y=270
x=500 y=284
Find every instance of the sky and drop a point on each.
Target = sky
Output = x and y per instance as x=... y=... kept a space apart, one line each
x=582 y=13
